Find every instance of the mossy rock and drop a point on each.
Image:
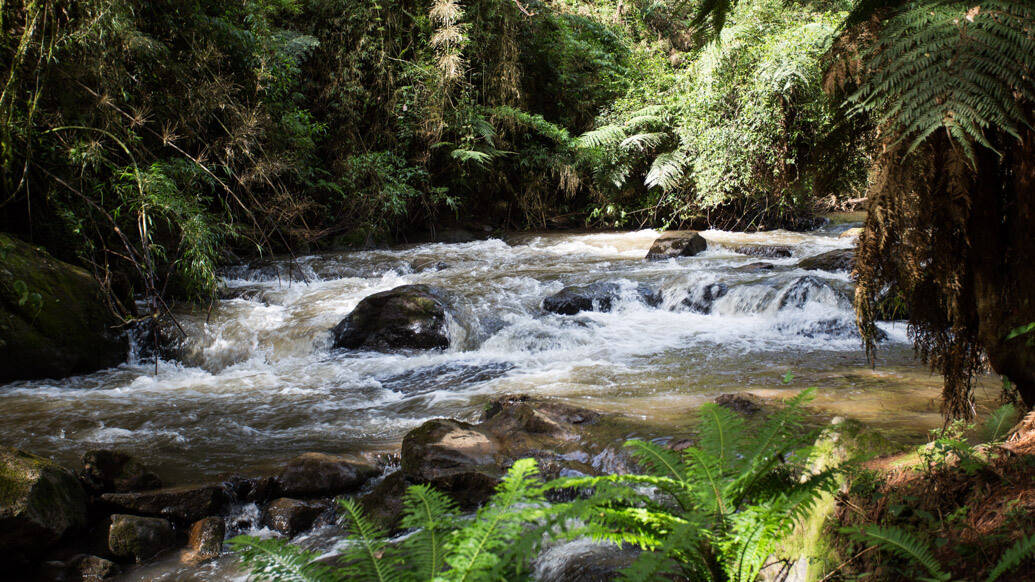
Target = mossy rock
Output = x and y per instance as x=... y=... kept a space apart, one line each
x=40 y=503
x=54 y=321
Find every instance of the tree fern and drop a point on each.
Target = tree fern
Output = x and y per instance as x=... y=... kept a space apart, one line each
x=953 y=66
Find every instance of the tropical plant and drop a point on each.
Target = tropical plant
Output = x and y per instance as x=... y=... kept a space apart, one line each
x=916 y=550
x=715 y=511
x=441 y=545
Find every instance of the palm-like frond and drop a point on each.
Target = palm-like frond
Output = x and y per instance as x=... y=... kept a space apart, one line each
x=644 y=141
x=601 y=137
x=667 y=170
x=948 y=64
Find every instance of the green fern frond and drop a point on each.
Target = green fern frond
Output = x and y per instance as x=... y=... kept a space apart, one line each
x=667 y=170
x=904 y=544
x=1019 y=552
x=367 y=557
x=601 y=137
x=278 y=561
x=433 y=515
x=644 y=141
x=999 y=423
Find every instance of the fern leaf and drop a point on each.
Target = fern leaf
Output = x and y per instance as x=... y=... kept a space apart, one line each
x=279 y=561
x=1011 y=558
x=905 y=545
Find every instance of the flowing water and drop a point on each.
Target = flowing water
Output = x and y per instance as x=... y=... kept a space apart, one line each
x=258 y=382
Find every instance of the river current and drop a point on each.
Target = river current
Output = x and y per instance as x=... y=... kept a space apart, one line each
x=257 y=382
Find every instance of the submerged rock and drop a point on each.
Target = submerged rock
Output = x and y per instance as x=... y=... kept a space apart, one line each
x=204 y=540
x=411 y=316
x=767 y=251
x=291 y=516
x=583 y=561
x=595 y=297
x=756 y=267
x=744 y=403
x=40 y=503
x=835 y=260
x=54 y=320
x=316 y=474
x=677 y=243
x=91 y=568
x=181 y=504
x=107 y=471
x=139 y=538
x=701 y=300
x=803 y=290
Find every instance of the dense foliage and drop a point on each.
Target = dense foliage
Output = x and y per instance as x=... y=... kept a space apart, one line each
x=157 y=139
x=715 y=511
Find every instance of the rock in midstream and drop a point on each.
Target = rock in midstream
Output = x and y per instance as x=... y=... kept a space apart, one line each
x=406 y=317
x=677 y=243
x=595 y=297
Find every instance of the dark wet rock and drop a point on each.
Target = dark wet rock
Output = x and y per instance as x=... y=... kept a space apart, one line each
x=253 y=489
x=765 y=251
x=204 y=540
x=835 y=260
x=411 y=316
x=805 y=289
x=86 y=568
x=40 y=503
x=595 y=297
x=429 y=265
x=291 y=516
x=743 y=403
x=54 y=320
x=319 y=474
x=107 y=471
x=384 y=503
x=183 y=505
x=677 y=243
x=526 y=428
x=756 y=267
x=138 y=538
x=583 y=561
x=701 y=300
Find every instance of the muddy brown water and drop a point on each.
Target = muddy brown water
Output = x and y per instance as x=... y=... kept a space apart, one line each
x=258 y=382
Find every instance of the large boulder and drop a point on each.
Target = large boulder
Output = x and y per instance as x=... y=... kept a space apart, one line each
x=183 y=505
x=835 y=260
x=54 y=320
x=138 y=538
x=107 y=471
x=40 y=502
x=291 y=516
x=595 y=297
x=411 y=316
x=317 y=474
x=677 y=243
x=456 y=457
